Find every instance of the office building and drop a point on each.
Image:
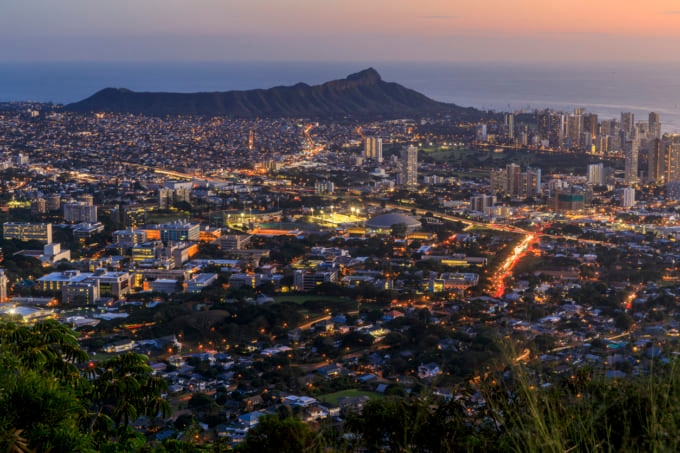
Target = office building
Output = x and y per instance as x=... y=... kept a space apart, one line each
x=180 y=230
x=80 y=211
x=41 y=232
x=307 y=280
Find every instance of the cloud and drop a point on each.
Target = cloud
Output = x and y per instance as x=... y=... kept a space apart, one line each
x=574 y=33
x=439 y=17
x=670 y=13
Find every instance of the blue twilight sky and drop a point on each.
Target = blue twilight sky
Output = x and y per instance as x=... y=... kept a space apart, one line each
x=340 y=30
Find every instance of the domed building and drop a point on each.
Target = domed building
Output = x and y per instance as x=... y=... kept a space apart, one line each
x=385 y=222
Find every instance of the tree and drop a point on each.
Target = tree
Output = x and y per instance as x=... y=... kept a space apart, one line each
x=273 y=435
x=125 y=383
x=47 y=346
x=40 y=401
x=399 y=230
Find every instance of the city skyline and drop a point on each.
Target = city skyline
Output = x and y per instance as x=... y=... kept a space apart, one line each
x=435 y=30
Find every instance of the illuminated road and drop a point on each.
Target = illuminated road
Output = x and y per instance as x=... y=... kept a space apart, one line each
x=505 y=270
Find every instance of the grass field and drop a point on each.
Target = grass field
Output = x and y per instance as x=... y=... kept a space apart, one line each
x=333 y=398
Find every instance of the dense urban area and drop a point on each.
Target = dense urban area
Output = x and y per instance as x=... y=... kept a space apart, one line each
x=209 y=284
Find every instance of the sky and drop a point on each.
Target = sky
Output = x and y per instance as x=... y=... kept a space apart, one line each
x=339 y=30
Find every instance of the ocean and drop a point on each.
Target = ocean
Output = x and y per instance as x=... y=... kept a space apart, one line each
x=603 y=88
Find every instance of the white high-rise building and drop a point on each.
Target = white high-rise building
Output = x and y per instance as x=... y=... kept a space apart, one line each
x=628 y=197
x=373 y=149
x=596 y=174
x=409 y=162
x=3 y=285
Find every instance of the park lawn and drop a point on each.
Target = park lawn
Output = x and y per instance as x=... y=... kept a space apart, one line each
x=333 y=398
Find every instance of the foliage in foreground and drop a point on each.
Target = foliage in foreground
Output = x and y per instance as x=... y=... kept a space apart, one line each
x=583 y=412
x=53 y=399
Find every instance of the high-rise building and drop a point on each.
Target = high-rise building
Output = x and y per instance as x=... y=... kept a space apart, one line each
x=575 y=128
x=551 y=127
x=324 y=186
x=53 y=202
x=39 y=206
x=590 y=125
x=80 y=211
x=513 y=171
x=3 y=285
x=671 y=169
x=511 y=181
x=654 y=161
x=409 y=162
x=631 y=151
x=481 y=133
x=480 y=203
x=628 y=123
x=510 y=124
x=596 y=174
x=628 y=197
x=373 y=148
x=530 y=183
x=654 y=125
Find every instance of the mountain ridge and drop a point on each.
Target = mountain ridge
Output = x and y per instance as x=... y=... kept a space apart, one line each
x=361 y=94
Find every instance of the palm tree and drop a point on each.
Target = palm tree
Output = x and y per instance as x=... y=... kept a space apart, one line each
x=47 y=346
x=12 y=441
x=126 y=384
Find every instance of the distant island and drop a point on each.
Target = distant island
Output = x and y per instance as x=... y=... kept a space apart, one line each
x=362 y=94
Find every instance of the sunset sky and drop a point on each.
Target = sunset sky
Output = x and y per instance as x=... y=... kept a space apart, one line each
x=340 y=30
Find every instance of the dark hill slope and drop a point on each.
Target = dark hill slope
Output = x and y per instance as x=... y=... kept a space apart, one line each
x=359 y=95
